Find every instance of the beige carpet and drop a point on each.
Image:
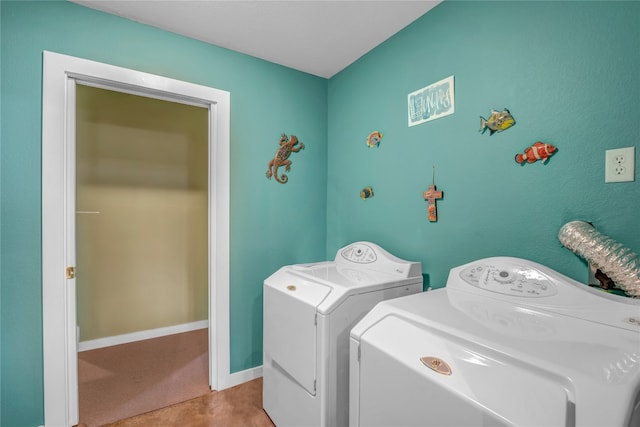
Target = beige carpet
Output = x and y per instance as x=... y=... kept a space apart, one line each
x=122 y=381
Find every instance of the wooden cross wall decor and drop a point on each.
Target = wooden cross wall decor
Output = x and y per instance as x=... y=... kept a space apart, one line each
x=431 y=195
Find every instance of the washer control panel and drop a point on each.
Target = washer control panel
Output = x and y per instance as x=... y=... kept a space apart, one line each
x=372 y=258
x=509 y=279
x=359 y=253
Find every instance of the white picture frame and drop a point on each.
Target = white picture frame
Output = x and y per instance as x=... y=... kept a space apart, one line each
x=431 y=102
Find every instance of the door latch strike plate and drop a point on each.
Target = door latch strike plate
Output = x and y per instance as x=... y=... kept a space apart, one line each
x=71 y=272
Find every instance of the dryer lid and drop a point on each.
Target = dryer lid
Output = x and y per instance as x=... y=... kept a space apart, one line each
x=601 y=362
x=403 y=380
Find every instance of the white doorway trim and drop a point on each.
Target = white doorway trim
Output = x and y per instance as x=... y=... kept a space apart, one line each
x=60 y=75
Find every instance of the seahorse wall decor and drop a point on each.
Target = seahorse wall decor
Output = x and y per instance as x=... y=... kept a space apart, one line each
x=287 y=146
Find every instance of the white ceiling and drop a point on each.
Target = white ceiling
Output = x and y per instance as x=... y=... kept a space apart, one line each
x=320 y=37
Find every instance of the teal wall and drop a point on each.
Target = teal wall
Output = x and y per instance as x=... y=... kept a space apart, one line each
x=1 y=85
x=271 y=224
x=568 y=72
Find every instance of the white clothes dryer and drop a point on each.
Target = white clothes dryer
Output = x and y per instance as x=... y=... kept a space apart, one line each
x=309 y=310
x=507 y=342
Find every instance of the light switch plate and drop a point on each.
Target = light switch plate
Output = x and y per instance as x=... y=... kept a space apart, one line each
x=619 y=165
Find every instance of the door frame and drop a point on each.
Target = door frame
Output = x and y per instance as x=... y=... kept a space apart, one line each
x=61 y=73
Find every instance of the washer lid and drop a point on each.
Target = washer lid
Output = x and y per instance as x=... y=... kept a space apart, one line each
x=291 y=283
x=343 y=281
x=358 y=268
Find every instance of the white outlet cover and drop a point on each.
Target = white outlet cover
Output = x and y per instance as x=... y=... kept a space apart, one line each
x=619 y=165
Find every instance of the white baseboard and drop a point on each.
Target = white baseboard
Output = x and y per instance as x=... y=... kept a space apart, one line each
x=142 y=335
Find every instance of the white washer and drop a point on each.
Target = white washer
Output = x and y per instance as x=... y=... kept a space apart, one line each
x=507 y=342
x=309 y=310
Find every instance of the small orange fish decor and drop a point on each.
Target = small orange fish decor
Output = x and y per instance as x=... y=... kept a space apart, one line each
x=374 y=138
x=537 y=151
x=366 y=193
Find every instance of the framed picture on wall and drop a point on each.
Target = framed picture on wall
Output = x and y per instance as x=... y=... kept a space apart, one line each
x=431 y=102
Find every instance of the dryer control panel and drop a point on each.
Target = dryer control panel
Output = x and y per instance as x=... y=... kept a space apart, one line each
x=534 y=285
x=509 y=279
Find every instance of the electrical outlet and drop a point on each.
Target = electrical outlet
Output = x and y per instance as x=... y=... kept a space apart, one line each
x=619 y=165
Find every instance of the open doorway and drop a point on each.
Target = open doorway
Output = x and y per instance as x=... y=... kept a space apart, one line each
x=62 y=75
x=141 y=253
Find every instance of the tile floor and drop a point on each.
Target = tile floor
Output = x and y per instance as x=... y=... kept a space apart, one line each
x=237 y=406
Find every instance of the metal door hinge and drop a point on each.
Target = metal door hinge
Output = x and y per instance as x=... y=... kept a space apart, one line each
x=71 y=272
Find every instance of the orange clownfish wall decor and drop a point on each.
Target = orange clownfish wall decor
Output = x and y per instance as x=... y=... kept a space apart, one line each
x=537 y=151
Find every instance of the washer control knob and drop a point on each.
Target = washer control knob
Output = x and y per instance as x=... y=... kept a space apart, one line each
x=503 y=276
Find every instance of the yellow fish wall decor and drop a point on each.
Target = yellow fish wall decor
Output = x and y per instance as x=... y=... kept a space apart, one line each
x=498 y=121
